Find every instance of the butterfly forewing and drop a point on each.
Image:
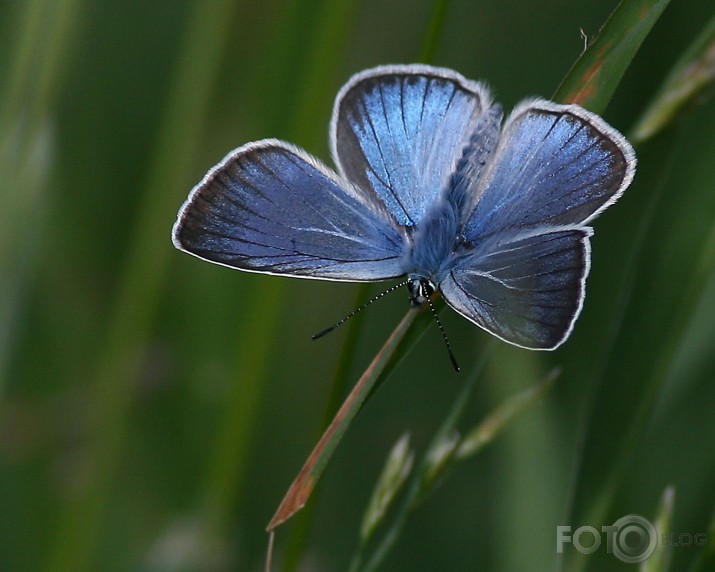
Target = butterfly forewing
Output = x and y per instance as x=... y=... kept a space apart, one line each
x=398 y=132
x=269 y=207
x=554 y=165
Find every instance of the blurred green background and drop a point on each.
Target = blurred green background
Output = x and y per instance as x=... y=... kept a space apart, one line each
x=154 y=408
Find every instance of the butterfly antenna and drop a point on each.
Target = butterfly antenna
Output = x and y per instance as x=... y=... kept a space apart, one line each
x=453 y=359
x=358 y=309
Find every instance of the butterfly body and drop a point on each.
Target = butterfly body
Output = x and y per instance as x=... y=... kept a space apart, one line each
x=432 y=184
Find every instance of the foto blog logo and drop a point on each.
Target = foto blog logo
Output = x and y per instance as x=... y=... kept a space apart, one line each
x=631 y=539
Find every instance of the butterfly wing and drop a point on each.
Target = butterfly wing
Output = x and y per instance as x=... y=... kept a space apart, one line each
x=554 y=165
x=397 y=132
x=270 y=207
x=527 y=291
x=555 y=168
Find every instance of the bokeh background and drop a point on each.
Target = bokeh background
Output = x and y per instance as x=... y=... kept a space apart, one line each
x=154 y=408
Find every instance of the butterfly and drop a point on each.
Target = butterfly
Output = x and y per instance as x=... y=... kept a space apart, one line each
x=432 y=184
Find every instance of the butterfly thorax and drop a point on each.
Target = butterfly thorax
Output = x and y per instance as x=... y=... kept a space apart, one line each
x=438 y=241
x=432 y=250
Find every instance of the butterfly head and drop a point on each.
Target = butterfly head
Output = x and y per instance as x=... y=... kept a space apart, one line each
x=420 y=288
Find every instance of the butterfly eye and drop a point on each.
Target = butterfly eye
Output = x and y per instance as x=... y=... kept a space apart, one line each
x=420 y=290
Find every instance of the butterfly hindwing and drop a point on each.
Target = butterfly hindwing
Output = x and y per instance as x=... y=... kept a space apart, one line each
x=527 y=291
x=398 y=132
x=270 y=207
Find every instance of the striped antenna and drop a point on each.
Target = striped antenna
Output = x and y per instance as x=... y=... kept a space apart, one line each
x=358 y=309
x=453 y=359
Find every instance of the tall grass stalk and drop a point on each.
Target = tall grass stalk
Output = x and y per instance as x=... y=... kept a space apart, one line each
x=139 y=285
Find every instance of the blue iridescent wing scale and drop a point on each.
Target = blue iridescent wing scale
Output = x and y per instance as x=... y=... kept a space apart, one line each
x=555 y=168
x=270 y=207
x=527 y=291
x=398 y=132
x=554 y=165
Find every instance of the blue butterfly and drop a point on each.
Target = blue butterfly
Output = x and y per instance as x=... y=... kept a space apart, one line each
x=431 y=185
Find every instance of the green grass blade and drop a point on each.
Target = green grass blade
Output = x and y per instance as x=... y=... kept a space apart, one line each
x=322 y=63
x=691 y=76
x=318 y=60
x=141 y=282
x=362 y=561
x=333 y=36
x=484 y=433
x=389 y=484
x=659 y=561
x=226 y=467
x=298 y=538
x=27 y=107
x=705 y=559
x=596 y=74
x=600 y=470
x=301 y=489
x=446 y=450
x=435 y=30
x=651 y=331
